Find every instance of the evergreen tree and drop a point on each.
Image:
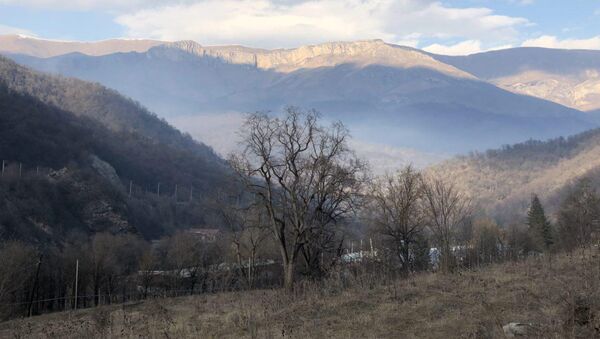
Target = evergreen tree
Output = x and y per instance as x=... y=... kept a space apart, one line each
x=539 y=226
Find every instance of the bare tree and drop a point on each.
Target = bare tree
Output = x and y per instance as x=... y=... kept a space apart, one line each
x=17 y=269
x=446 y=209
x=148 y=264
x=189 y=260
x=397 y=212
x=245 y=222
x=579 y=216
x=305 y=177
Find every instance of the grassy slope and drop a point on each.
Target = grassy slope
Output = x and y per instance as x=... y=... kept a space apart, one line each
x=469 y=304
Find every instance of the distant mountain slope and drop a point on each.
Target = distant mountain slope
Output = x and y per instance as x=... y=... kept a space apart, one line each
x=568 y=77
x=502 y=181
x=386 y=94
x=97 y=102
x=49 y=48
x=77 y=164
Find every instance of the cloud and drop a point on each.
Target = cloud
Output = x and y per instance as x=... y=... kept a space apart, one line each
x=462 y=48
x=109 y=5
x=550 y=41
x=270 y=23
x=14 y=30
x=523 y=2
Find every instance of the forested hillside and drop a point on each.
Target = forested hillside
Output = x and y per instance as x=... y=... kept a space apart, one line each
x=502 y=181
x=70 y=160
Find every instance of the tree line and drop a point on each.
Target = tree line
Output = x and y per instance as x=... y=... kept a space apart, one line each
x=297 y=198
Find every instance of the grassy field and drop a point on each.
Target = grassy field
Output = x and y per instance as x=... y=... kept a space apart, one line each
x=559 y=295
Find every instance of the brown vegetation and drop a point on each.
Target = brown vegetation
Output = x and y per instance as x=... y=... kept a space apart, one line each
x=560 y=296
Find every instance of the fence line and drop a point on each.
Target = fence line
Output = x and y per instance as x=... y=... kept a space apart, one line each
x=130 y=187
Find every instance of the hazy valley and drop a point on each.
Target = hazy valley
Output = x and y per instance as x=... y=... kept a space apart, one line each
x=388 y=95
x=342 y=189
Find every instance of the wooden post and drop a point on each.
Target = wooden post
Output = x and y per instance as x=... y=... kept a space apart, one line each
x=130 y=184
x=249 y=272
x=34 y=288
x=76 y=280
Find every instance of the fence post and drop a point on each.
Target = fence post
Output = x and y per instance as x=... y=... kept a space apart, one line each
x=34 y=288
x=76 y=280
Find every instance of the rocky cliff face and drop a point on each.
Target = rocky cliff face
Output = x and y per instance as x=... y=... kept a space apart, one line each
x=580 y=91
x=362 y=53
x=567 y=77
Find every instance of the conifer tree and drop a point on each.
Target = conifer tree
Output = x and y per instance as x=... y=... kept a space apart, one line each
x=539 y=225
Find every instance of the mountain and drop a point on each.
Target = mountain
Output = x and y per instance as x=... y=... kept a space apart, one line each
x=81 y=158
x=501 y=181
x=567 y=77
x=48 y=48
x=388 y=95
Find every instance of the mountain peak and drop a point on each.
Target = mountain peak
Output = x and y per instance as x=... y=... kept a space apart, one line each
x=329 y=54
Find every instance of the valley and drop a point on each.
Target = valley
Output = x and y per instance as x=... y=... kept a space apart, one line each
x=164 y=188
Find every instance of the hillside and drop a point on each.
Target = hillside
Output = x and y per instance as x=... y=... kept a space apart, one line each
x=49 y=48
x=78 y=158
x=386 y=94
x=558 y=297
x=567 y=77
x=502 y=180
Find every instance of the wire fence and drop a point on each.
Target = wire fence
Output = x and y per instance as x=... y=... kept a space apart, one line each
x=181 y=193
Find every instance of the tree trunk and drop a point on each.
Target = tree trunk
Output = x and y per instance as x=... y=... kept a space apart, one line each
x=96 y=290
x=288 y=277
x=406 y=258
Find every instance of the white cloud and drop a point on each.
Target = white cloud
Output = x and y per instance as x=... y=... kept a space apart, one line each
x=14 y=30
x=271 y=23
x=523 y=2
x=462 y=48
x=550 y=41
x=110 y=5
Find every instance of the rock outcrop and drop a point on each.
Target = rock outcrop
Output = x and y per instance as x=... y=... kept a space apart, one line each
x=362 y=53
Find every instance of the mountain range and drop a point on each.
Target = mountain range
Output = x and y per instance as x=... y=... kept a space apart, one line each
x=567 y=77
x=405 y=104
x=400 y=103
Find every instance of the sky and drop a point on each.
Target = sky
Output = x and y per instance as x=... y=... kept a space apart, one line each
x=446 y=27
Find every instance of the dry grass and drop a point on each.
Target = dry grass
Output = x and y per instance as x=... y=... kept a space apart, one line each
x=561 y=296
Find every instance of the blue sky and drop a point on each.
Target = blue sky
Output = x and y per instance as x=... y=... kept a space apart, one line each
x=451 y=27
